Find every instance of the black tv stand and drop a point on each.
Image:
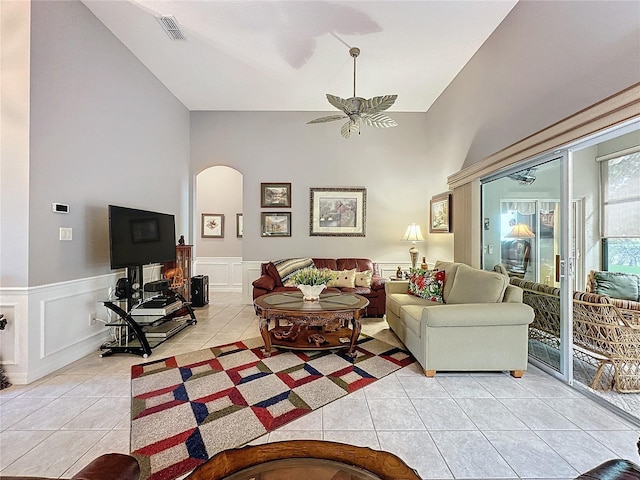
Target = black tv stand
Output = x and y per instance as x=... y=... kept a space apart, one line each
x=139 y=329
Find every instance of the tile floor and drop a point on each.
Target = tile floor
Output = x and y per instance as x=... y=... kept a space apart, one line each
x=451 y=426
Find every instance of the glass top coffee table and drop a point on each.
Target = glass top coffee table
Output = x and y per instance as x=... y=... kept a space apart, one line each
x=333 y=321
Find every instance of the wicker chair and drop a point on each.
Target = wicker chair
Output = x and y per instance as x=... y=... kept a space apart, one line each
x=603 y=334
x=600 y=329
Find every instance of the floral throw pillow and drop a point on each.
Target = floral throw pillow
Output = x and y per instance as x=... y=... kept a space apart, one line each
x=427 y=284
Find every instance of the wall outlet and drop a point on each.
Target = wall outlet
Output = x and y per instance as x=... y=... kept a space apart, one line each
x=93 y=318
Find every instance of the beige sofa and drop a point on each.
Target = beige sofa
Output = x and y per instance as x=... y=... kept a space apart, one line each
x=481 y=326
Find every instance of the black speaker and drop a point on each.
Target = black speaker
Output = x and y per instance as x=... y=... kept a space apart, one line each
x=123 y=288
x=199 y=290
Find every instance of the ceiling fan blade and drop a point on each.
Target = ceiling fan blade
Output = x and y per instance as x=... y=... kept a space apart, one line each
x=330 y=118
x=339 y=103
x=378 y=120
x=349 y=128
x=378 y=104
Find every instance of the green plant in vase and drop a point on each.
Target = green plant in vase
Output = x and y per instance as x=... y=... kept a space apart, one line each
x=311 y=281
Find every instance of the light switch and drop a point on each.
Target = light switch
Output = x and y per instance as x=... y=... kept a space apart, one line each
x=66 y=233
x=490 y=249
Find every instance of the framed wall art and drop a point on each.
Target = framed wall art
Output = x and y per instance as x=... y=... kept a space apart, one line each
x=212 y=225
x=440 y=213
x=276 y=224
x=275 y=195
x=338 y=212
x=239 y=225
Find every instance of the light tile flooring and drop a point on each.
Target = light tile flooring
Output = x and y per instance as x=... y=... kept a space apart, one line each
x=451 y=426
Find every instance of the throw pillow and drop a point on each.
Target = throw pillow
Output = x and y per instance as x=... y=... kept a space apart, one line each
x=427 y=284
x=616 y=285
x=344 y=279
x=363 y=279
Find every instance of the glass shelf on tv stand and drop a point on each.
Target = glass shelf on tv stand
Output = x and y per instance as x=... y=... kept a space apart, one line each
x=140 y=334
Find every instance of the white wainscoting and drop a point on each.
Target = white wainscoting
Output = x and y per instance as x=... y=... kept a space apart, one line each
x=49 y=325
x=225 y=273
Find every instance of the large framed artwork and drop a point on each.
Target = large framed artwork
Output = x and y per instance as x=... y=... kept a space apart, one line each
x=338 y=212
x=275 y=195
x=440 y=213
x=212 y=225
x=276 y=224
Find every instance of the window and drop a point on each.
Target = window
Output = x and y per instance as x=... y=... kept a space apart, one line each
x=621 y=211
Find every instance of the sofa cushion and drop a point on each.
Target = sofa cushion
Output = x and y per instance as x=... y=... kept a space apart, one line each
x=265 y=282
x=272 y=271
x=616 y=285
x=357 y=290
x=471 y=285
x=395 y=301
x=363 y=279
x=329 y=263
x=344 y=279
x=427 y=284
x=450 y=269
x=360 y=264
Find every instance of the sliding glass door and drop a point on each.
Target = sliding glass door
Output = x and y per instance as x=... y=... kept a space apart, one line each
x=526 y=234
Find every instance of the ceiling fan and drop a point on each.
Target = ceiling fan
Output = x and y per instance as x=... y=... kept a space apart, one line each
x=359 y=110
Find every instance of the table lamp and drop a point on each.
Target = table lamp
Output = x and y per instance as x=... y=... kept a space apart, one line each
x=520 y=231
x=413 y=235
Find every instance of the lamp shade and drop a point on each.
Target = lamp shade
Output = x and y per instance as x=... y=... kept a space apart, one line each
x=413 y=234
x=520 y=230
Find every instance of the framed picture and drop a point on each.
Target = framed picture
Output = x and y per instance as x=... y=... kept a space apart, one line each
x=275 y=195
x=338 y=212
x=212 y=225
x=276 y=224
x=440 y=213
x=239 y=225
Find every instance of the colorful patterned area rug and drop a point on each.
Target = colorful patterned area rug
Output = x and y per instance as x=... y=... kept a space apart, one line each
x=185 y=409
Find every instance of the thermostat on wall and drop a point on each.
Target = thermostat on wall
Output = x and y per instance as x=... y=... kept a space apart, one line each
x=60 y=208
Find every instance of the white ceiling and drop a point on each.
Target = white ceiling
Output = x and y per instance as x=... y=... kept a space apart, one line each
x=286 y=55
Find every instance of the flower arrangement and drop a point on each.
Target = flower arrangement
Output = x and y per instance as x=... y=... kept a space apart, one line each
x=312 y=276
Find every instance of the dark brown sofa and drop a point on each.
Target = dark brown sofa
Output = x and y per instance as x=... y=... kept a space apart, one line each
x=110 y=466
x=270 y=281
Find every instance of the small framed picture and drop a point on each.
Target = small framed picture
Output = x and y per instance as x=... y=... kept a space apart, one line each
x=440 y=213
x=276 y=224
x=275 y=195
x=239 y=225
x=338 y=212
x=212 y=225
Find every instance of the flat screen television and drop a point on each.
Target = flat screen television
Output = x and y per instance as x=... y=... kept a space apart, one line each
x=139 y=237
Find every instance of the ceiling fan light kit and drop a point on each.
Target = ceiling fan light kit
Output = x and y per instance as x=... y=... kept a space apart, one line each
x=359 y=110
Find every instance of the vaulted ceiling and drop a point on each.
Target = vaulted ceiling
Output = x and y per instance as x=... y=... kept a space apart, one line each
x=286 y=55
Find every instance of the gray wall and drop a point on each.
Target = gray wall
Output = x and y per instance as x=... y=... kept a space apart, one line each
x=546 y=61
x=14 y=144
x=394 y=165
x=104 y=131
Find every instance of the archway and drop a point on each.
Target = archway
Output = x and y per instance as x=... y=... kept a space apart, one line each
x=218 y=227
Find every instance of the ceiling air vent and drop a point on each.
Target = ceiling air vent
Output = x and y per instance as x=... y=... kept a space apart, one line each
x=170 y=25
